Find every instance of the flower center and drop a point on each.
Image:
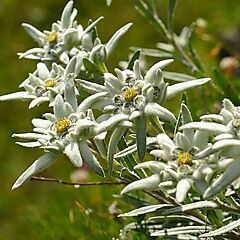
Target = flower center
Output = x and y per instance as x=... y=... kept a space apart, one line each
x=62 y=125
x=52 y=37
x=184 y=158
x=50 y=83
x=129 y=94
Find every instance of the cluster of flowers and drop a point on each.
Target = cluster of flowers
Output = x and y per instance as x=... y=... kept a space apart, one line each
x=72 y=60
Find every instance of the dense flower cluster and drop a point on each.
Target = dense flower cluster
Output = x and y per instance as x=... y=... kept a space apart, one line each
x=103 y=118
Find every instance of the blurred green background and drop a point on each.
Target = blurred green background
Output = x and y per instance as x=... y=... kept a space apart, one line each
x=52 y=211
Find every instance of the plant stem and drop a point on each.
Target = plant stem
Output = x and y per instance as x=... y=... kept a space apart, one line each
x=77 y=184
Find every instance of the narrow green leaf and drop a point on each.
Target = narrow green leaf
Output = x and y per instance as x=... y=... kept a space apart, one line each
x=153 y=19
x=141 y=134
x=90 y=66
x=112 y=146
x=153 y=52
x=171 y=8
x=227 y=228
x=135 y=56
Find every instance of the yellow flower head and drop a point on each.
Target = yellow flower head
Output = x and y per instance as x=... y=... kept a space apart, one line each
x=184 y=158
x=129 y=94
x=52 y=37
x=62 y=125
x=49 y=83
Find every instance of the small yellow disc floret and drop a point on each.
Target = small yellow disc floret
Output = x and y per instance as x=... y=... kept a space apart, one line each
x=62 y=125
x=52 y=37
x=49 y=83
x=129 y=94
x=184 y=158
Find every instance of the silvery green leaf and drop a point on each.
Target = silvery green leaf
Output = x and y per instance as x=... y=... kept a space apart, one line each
x=178 y=88
x=91 y=87
x=66 y=15
x=229 y=175
x=64 y=58
x=101 y=146
x=32 y=51
x=165 y=142
x=225 y=143
x=177 y=218
x=34 y=33
x=73 y=153
x=161 y=112
x=183 y=186
x=70 y=94
x=37 y=101
x=42 y=71
x=38 y=166
x=165 y=47
x=111 y=44
x=154 y=166
x=228 y=104
x=70 y=68
x=141 y=134
x=87 y=102
x=91 y=26
x=191 y=206
x=153 y=52
x=179 y=230
x=187 y=118
x=115 y=83
x=58 y=108
x=183 y=142
x=211 y=128
x=160 y=154
x=90 y=159
x=29 y=144
x=16 y=96
x=223 y=136
x=148 y=183
x=133 y=148
x=201 y=139
x=98 y=54
x=41 y=123
x=212 y=117
x=204 y=153
x=220 y=231
x=108 y=124
x=227 y=116
x=144 y=210
x=112 y=146
x=179 y=77
x=172 y=173
x=33 y=136
x=152 y=71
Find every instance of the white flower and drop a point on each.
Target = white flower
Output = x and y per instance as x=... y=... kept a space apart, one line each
x=66 y=131
x=44 y=84
x=178 y=169
x=131 y=93
x=68 y=38
x=226 y=129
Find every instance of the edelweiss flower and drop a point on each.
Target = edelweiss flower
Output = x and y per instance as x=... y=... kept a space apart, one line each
x=131 y=93
x=67 y=38
x=177 y=169
x=44 y=85
x=226 y=129
x=136 y=96
x=67 y=131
